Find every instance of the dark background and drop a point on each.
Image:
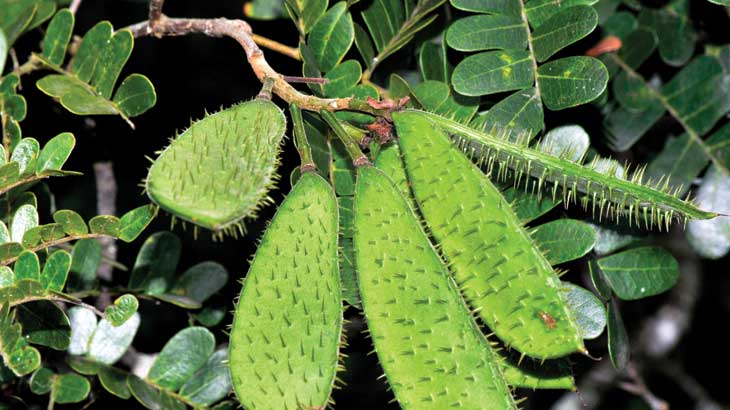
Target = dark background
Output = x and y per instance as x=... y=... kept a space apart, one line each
x=193 y=74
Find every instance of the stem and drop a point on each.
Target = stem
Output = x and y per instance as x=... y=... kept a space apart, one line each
x=57 y=242
x=74 y=7
x=351 y=146
x=155 y=12
x=300 y=140
x=276 y=46
x=523 y=15
x=240 y=31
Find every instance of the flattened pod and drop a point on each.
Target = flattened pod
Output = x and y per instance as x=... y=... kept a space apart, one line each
x=284 y=343
x=220 y=170
x=432 y=351
x=495 y=262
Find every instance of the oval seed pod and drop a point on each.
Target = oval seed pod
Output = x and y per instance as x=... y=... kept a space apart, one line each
x=285 y=338
x=219 y=170
x=499 y=269
x=429 y=346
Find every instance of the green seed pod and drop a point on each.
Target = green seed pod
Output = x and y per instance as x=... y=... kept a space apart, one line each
x=285 y=339
x=604 y=187
x=499 y=269
x=430 y=347
x=220 y=170
x=390 y=161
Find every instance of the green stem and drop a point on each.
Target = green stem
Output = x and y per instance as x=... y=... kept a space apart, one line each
x=351 y=146
x=300 y=140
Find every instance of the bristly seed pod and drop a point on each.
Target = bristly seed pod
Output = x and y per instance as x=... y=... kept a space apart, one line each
x=433 y=354
x=219 y=170
x=284 y=343
x=499 y=269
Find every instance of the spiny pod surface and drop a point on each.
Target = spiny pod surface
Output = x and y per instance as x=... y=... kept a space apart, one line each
x=284 y=343
x=220 y=170
x=602 y=185
x=499 y=269
x=430 y=347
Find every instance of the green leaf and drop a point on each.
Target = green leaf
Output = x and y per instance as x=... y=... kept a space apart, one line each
x=109 y=343
x=114 y=381
x=618 y=341
x=156 y=262
x=436 y=97
x=17 y=354
x=603 y=289
x=55 y=153
x=486 y=32
x=527 y=206
x=567 y=141
x=72 y=223
x=540 y=11
x=518 y=116
x=210 y=316
x=16 y=18
x=433 y=62
x=343 y=79
x=681 y=160
x=83 y=365
x=308 y=11
x=7 y=277
x=123 y=308
x=201 y=281
x=196 y=344
x=44 y=323
x=610 y=238
x=83 y=325
x=571 y=81
x=364 y=45
x=384 y=19
x=674 y=29
x=588 y=311
x=105 y=225
x=135 y=221
x=711 y=238
x=151 y=396
x=620 y=24
x=564 y=240
x=42 y=235
x=55 y=270
x=41 y=381
x=640 y=272
x=10 y=250
x=493 y=71
x=58 y=34
x=719 y=145
x=26 y=155
x=510 y=7
x=27 y=267
x=87 y=88
x=85 y=260
x=135 y=95
x=332 y=36
x=210 y=383
x=562 y=30
x=69 y=388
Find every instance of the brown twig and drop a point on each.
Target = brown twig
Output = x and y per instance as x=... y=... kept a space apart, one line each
x=155 y=12
x=240 y=31
x=272 y=45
